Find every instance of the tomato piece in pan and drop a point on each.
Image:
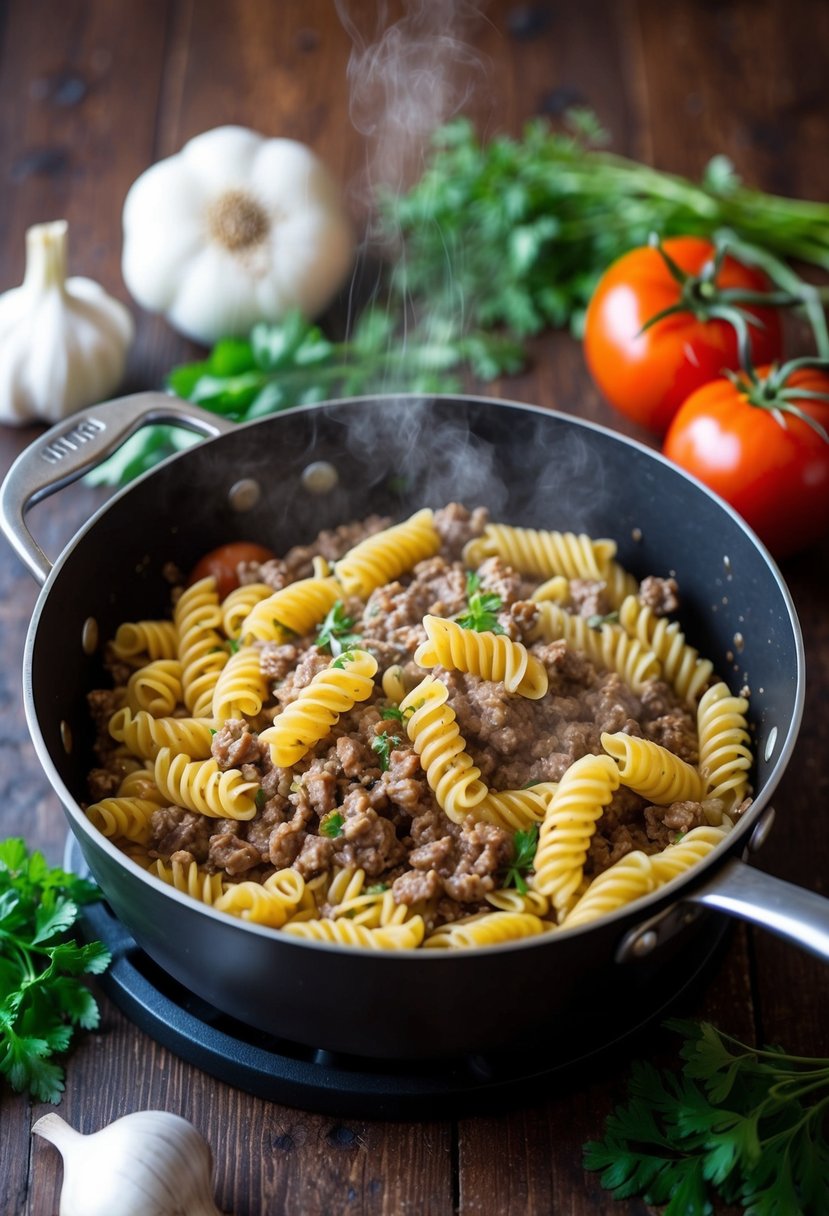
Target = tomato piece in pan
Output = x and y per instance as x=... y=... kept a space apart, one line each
x=223 y=563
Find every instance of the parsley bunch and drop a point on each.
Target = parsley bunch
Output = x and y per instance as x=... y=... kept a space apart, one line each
x=294 y=363
x=739 y=1122
x=41 y=998
x=335 y=633
x=524 y=846
x=517 y=232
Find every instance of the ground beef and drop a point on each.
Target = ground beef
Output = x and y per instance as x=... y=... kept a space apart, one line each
x=366 y=772
x=173 y=829
x=661 y=595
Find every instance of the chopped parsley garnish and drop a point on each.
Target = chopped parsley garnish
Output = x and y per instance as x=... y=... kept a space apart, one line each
x=234 y=645
x=42 y=998
x=335 y=631
x=377 y=888
x=332 y=825
x=382 y=744
x=398 y=714
x=260 y=798
x=347 y=656
x=596 y=621
x=482 y=607
x=524 y=845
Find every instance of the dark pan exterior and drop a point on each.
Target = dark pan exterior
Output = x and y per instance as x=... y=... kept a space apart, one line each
x=393 y=455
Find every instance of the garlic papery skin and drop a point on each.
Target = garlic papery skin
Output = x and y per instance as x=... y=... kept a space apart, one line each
x=149 y=1163
x=63 y=342
x=234 y=229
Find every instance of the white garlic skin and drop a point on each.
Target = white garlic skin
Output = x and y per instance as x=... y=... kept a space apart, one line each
x=63 y=342
x=149 y=1163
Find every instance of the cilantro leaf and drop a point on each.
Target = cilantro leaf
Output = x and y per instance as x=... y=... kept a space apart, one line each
x=335 y=632
x=332 y=825
x=383 y=744
x=737 y=1122
x=42 y=998
x=482 y=607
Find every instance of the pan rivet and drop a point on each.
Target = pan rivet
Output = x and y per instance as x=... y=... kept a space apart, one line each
x=89 y=635
x=646 y=942
x=66 y=736
x=244 y=494
x=320 y=477
x=763 y=827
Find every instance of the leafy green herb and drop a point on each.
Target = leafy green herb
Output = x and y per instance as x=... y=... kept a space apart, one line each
x=41 y=998
x=260 y=798
x=518 y=232
x=332 y=825
x=234 y=645
x=335 y=631
x=347 y=656
x=377 y=888
x=382 y=744
x=737 y=1122
x=293 y=363
x=482 y=607
x=597 y=620
x=397 y=714
x=524 y=845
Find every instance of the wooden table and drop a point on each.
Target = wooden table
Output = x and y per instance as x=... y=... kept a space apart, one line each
x=92 y=92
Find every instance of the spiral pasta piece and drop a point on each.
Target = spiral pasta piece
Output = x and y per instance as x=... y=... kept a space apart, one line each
x=145 y=640
x=140 y=783
x=190 y=879
x=144 y=735
x=556 y=589
x=239 y=603
x=626 y=880
x=610 y=646
x=492 y=656
x=270 y=903
x=293 y=610
x=434 y=733
x=682 y=666
x=490 y=929
x=584 y=791
x=334 y=690
x=516 y=810
x=156 y=687
x=691 y=849
x=126 y=817
x=374 y=909
x=508 y=899
x=200 y=786
x=386 y=555
x=651 y=771
x=344 y=932
x=241 y=688
x=540 y=552
x=201 y=648
x=724 y=751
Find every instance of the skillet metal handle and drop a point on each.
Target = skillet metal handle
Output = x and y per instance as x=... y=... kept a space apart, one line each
x=800 y=916
x=71 y=448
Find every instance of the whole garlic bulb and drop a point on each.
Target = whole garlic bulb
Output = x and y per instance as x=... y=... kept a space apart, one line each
x=63 y=342
x=149 y=1163
x=233 y=229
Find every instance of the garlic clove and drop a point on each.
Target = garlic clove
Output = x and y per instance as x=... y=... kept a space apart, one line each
x=148 y=1163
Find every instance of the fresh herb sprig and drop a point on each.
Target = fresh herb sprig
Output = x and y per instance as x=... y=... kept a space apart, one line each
x=42 y=999
x=382 y=744
x=518 y=231
x=524 y=845
x=294 y=363
x=482 y=607
x=739 y=1122
x=335 y=633
x=332 y=825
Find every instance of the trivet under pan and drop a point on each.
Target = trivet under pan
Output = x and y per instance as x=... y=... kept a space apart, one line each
x=338 y=1084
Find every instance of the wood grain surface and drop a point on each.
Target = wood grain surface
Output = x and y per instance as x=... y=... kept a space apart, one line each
x=91 y=93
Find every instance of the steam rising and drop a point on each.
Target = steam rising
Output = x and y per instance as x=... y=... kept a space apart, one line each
x=408 y=77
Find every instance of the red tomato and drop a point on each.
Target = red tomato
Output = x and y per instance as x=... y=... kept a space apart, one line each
x=222 y=563
x=647 y=376
x=776 y=475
